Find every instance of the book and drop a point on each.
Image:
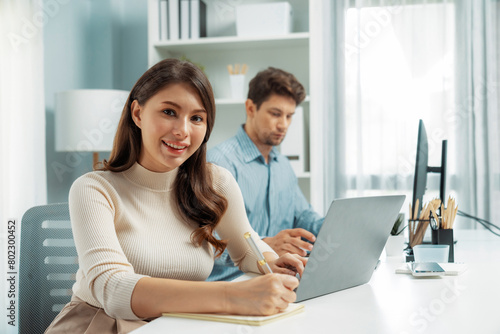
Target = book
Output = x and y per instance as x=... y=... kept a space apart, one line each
x=292 y=309
x=185 y=19
x=163 y=19
x=198 y=19
x=173 y=19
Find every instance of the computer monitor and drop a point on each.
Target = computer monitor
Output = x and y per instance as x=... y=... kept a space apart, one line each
x=422 y=168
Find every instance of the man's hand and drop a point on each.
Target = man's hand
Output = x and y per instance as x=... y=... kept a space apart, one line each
x=288 y=264
x=289 y=241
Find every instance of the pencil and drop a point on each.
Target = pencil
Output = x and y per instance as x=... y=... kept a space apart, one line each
x=260 y=257
x=454 y=216
x=415 y=210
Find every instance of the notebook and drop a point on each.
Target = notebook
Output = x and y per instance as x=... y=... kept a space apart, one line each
x=292 y=309
x=349 y=244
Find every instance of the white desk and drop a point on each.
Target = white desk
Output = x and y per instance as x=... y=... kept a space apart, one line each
x=391 y=303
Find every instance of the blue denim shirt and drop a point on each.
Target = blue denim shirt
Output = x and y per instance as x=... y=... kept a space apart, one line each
x=273 y=199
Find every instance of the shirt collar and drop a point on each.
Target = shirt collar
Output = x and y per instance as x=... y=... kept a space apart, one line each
x=250 y=151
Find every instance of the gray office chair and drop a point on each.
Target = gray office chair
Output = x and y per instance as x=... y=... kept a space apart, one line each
x=47 y=266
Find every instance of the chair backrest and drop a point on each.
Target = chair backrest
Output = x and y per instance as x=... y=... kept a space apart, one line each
x=47 y=266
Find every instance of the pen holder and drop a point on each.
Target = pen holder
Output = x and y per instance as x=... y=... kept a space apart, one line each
x=444 y=237
x=416 y=230
x=237 y=82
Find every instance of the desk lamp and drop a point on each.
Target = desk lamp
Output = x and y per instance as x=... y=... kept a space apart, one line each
x=86 y=120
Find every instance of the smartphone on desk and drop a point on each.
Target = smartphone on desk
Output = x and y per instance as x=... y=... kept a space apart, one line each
x=426 y=269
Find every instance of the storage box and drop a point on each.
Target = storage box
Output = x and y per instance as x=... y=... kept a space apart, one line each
x=264 y=19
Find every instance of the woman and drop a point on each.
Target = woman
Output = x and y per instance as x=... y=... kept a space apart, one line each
x=143 y=225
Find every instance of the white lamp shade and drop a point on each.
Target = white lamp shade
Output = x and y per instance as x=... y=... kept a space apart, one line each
x=87 y=119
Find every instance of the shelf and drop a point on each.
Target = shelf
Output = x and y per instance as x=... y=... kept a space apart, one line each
x=233 y=42
x=231 y=102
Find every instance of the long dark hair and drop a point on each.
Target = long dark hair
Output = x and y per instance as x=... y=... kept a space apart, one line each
x=197 y=200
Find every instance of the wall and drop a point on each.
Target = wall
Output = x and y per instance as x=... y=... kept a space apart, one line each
x=89 y=44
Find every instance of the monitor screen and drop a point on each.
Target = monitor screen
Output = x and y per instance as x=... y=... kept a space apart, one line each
x=421 y=163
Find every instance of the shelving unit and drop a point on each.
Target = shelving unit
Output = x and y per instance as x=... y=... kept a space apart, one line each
x=237 y=102
x=226 y=43
x=222 y=47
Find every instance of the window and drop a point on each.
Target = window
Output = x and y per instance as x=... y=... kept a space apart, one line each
x=399 y=68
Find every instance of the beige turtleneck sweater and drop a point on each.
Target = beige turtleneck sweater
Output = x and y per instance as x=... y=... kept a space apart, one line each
x=125 y=228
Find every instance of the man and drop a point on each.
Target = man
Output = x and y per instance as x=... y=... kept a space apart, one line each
x=275 y=205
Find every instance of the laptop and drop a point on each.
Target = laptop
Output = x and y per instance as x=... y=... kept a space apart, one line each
x=349 y=244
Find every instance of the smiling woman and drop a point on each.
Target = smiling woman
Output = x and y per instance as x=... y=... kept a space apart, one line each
x=144 y=223
x=160 y=102
x=173 y=124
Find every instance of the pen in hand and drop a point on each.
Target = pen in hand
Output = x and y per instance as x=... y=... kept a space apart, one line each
x=260 y=257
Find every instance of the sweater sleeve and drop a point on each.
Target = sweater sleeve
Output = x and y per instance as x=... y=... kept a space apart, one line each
x=234 y=223
x=110 y=276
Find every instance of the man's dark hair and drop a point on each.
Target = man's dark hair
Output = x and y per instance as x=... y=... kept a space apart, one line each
x=275 y=81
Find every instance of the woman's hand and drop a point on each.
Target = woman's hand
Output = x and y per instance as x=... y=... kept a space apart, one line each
x=263 y=295
x=289 y=264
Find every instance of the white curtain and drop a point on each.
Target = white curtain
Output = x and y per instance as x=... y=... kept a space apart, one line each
x=327 y=102
x=22 y=120
x=401 y=66
x=477 y=114
x=378 y=66
x=399 y=69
